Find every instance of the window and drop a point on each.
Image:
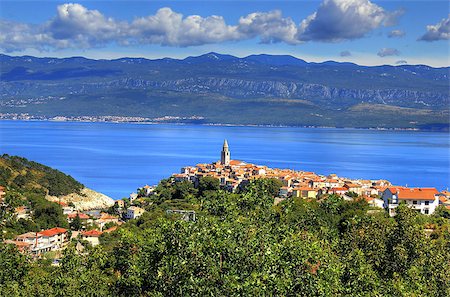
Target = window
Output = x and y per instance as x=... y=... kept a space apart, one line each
x=427 y=211
x=427 y=202
x=414 y=201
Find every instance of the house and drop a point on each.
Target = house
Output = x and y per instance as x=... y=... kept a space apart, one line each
x=34 y=241
x=56 y=237
x=134 y=212
x=92 y=236
x=423 y=200
x=148 y=190
x=23 y=247
x=339 y=191
x=351 y=187
x=120 y=203
x=22 y=212
x=2 y=193
x=306 y=192
x=284 y=191
x=133 y=196
x=105 y=219
x=374 y=202
x=85 y=219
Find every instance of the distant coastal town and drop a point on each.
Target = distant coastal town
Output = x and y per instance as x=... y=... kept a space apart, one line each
x=108 y=118
x=167 y=119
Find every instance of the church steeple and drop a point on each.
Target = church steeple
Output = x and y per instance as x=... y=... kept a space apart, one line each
x=225 y=154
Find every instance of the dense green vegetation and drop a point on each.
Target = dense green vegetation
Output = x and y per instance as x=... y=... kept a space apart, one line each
x=27 y=184
x=243 y=245
x=20 y=173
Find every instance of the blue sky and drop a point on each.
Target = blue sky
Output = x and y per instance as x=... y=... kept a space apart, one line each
x=361 y=31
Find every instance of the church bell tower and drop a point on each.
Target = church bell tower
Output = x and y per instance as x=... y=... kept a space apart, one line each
x=225 y=154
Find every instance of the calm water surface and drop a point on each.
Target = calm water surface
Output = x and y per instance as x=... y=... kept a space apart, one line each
x=117 y=158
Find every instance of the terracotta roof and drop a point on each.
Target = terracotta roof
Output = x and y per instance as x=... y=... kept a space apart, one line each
x=82 y=216
x=53 y=231
x=92 y=233
x=29 y=235
x=446 y=193
x=415 y=193
x=106 y=216
x=351 y=185
x=113 y=228
x=305 y=189
x=339 y=189
x=18 y=243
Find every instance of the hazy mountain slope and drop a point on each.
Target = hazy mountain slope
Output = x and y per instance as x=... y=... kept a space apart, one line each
x=214 y=85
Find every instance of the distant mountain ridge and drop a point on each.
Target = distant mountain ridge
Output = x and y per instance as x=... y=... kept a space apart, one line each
x=201 y=84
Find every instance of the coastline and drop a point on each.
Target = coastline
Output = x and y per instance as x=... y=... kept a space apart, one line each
x=149 y=122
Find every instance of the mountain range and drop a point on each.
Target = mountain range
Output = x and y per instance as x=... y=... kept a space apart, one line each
x=224 y=89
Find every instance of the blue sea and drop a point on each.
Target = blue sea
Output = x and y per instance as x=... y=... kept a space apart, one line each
x=116 y=159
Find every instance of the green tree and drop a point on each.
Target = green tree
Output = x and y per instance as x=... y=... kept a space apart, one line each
x=76 y=223
x=208 y=183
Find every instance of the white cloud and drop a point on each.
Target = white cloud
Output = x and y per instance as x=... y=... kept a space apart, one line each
x=401 y=62
x=271 y=27
x=385 y=52
x=338 y=20
x=440 y=31
x=396 y=33
x=167 y=27
x=76 y=26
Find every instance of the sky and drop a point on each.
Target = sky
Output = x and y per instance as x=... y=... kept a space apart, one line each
x=360 y=31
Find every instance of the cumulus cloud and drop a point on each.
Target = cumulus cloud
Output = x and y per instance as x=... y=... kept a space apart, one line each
x=385 y=52
x=401 y=62
x=271 y=27
x=396 y=33
x=338 y=20
x=75 y=26
x=440 y=31
x=345 y=54
x=84 y=27
x=167 y=27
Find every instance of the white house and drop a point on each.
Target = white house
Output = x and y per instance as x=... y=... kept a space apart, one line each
x=134 y=212
x=56 y=237
x=423 y=200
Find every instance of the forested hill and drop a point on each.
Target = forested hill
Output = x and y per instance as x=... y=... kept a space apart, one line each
x=241 y=244
x=24 y=175
x=258 y=89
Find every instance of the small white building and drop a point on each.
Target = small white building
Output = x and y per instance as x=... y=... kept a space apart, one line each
x=134 y=212
x=92 y=236
x=423 y=200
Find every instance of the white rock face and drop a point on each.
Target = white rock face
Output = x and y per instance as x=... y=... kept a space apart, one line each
x=88 y=199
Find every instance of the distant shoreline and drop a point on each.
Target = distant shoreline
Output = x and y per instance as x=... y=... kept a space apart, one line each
x=225 y=125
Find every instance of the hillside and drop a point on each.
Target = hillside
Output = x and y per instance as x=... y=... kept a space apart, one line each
x=223 y=89
x=241 y=244
x=34 y=186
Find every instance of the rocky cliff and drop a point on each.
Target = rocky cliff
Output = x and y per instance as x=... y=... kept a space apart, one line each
x=88 y=199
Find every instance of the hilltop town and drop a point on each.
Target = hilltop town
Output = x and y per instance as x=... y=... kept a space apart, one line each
x=235 y=174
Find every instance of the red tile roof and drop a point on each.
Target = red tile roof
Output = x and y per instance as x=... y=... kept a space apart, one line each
x=53 y=231
x=92 y=233
x=82 y=216
x=113 y=228
x=414 y=193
